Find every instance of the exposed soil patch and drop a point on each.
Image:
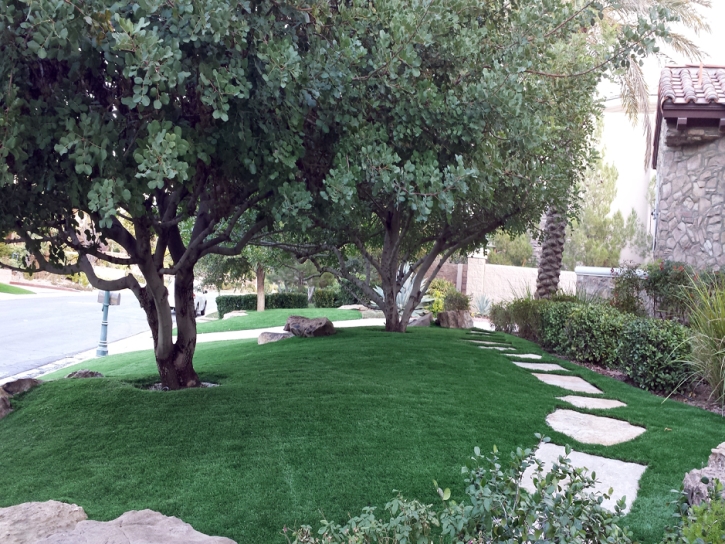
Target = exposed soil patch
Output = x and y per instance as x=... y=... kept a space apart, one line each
x=700 y=395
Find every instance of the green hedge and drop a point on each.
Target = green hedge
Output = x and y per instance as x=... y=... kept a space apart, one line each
x=650 y=351
x=326 y=298
x=273 y=301
x=593 y=332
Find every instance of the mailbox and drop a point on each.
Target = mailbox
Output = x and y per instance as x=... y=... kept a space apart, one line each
x=114 y=298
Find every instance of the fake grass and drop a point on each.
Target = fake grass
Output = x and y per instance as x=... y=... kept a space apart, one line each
x=12 y=290
x=311 y=428
x=273 y=318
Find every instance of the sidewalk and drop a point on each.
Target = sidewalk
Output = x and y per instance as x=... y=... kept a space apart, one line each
x=144 y=341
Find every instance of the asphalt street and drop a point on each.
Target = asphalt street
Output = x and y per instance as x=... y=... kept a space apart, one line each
x=44 y=327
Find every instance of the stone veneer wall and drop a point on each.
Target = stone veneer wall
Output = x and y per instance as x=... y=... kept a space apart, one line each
x=691 y=192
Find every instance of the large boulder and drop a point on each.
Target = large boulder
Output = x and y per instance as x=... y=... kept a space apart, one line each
x=455 y=319
x=372 y=314
x=5 y=407
x=135 y=527
x=360 y=307
x=695 y=488
x=85 y=373
x=309 y=327
x=421 y=321
x=267 y=337
x=20 y=386
x=32 y=521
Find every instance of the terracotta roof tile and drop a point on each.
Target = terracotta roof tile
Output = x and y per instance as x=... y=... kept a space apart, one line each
x=692 y=85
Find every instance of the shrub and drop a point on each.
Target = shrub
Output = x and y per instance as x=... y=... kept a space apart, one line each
x=526 y=316
x=273 y=301
x=326 y=298
x=653 y=352
x=666 y=285
x=593 y=332
x=706 y=521
x=627 y=292
x=349 y=293
x=563 y=508
x=554 y=317
x=501 y=318
x=438 y=290
x=455 y=301
x=483 y=305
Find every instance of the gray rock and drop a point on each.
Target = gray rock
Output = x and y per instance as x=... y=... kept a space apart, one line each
x=236 y=313
x=309 y=327
x=695 y=488
x=421 y=321
x=85 y=373
x=459 y=319
x=5 y=407
x=32 y=521
x=135 y=527
x=360 y=307
x=372 y=314
x=20 y=386
x=267 y=337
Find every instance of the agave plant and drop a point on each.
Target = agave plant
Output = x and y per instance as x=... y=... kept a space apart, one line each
x=404 y=294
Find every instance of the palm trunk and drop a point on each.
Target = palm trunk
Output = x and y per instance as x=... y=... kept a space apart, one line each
x=260 y=288
x=552 y=251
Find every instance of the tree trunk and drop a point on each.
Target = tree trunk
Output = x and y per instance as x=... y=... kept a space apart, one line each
x=552 y=251
x=174 y=360
x=260 y=288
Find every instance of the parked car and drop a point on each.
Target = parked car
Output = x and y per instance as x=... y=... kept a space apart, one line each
x=199 y=298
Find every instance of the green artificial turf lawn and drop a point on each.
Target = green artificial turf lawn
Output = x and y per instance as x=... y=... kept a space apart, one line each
x=273 y=318
x=307 y=428
x=12 y=290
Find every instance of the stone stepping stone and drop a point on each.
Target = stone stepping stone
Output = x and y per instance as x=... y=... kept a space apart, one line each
x=524 y=355
x=592 y=403
x=485 y=343
x=622 y=477
x=543 y=367
x=500 y=348
x=590 y=429
x=572 y=383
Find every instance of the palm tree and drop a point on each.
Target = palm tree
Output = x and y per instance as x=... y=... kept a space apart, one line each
x=635 y=101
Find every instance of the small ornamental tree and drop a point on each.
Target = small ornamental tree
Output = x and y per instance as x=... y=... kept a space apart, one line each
x=464 y=118
x=121 y=120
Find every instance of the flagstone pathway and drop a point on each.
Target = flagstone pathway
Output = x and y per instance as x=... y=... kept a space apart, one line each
x=585 y=428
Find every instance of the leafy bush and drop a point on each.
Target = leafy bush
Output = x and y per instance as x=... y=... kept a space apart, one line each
x=666 y=285
x=438 y=290
x=706 y=521
x=653 y=352
x=456 y=301
x=554 y=317
x=628 y=288
x=273 y=301
x=563 y=508
x=593 y=332
x=326 y=298
x=349 y=293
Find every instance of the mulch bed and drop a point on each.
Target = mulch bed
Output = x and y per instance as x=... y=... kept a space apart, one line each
x=700 y=396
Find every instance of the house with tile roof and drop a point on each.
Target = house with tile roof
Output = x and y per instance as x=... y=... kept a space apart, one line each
x=689 y=156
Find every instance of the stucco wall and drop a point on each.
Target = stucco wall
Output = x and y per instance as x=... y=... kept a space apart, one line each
x=457 y=274
x=503 y=283
x=691 y=191
x=6 y=275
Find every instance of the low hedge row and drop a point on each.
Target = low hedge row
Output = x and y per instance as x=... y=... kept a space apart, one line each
x=334 y=298
x=650 y=351
x=273 y=301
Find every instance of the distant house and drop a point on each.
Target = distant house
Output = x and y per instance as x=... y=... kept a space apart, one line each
x=689 y=156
